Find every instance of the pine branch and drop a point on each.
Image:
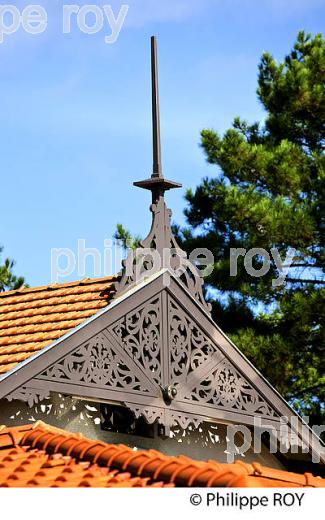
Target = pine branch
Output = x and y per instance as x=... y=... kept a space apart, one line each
x=308 y=390
x=305 y=280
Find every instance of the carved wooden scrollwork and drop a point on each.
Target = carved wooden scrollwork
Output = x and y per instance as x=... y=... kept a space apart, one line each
x=99 y=364
x=151 y=414
x=225 y=387
x=31 y=396
x=159 y=251
x=158 y=360
x=202 y=371
x=197 y=368
x=140 y=334
x=190 y=348
x=185 y=420
x=166 y=417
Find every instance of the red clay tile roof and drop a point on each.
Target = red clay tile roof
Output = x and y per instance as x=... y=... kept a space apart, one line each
x=30 y=319
x=42 y=456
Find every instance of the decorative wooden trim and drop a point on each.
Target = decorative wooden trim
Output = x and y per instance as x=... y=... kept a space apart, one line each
x=155 y=354
x=153 y=341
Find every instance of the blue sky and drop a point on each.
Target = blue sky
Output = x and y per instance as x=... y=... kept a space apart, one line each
x=75 y=113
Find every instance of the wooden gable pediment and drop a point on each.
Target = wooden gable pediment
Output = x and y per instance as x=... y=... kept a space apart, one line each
x=157 y=352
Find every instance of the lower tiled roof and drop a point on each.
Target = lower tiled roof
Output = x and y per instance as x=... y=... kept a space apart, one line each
x=31 y=318
x=42 y=456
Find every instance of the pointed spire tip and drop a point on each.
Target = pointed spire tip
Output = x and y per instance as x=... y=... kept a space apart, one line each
x=157 y=183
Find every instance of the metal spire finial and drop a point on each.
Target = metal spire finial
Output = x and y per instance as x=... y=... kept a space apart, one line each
x=156 y=165
x=157 y=184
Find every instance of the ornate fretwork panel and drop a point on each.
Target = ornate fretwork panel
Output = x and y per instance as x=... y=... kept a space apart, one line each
x=31 y=396
x=226 y=387
x=55 y=409
x=98 y=364
x=150 y=413
x=165 y=416
x=202 y=374
x=139 y=334
x=159 y=358
x=190 y=349
x=160 y=251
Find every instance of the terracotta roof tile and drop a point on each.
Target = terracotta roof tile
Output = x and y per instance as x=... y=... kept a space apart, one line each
x=24 y=464
x=42 y=456
x=30 y=319
x=6 y=368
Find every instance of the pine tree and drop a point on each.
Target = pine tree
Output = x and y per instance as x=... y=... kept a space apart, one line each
x=269 y=192
x=8 y=280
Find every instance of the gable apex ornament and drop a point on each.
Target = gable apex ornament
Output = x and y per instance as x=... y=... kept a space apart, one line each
x=159 y=250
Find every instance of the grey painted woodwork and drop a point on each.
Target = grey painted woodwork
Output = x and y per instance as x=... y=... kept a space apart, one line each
x=149 y=342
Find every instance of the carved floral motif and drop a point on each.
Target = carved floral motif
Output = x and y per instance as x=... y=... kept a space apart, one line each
x=129 y=356
x=190 y=348
x=222 y=386
x=139 y=332
x=227 y=388
x=97 y=363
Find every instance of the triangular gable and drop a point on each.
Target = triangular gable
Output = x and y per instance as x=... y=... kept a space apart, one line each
x=156 y=351
x=91 y=332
